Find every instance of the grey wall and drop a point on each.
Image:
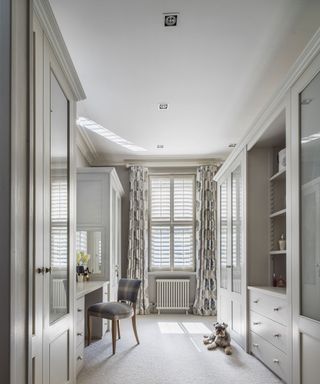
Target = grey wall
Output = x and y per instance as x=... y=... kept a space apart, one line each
x=5 y=124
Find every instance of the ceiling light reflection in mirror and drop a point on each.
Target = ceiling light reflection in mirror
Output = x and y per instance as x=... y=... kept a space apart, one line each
x=107 y=134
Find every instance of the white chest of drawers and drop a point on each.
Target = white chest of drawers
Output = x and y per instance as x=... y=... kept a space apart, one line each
x=268 y=322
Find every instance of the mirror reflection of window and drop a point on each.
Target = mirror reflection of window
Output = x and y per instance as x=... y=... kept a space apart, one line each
x=59 y=201
x=90 y=243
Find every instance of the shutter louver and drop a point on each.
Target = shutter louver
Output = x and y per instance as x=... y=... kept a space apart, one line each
x=183 y=199
x=183 y=246
x=160 y=247
x=160 y=199
x=59 y=223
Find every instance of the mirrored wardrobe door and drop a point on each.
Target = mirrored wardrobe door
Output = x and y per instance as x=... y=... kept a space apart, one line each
x=59 y=251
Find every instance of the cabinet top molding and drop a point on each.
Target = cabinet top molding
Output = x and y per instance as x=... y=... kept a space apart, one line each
x=277 y=101
x=50 y=26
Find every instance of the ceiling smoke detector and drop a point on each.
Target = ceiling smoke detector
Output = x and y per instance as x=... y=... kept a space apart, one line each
x=170 y=19
x=163 y=106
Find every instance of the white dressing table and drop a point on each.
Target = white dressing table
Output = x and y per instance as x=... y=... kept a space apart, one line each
x=88 y=293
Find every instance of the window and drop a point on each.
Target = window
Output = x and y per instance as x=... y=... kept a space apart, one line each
x=172 y=222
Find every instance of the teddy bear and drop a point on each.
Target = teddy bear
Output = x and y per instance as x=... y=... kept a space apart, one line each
x=219 y=338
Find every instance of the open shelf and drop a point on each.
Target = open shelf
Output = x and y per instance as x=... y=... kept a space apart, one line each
x=279 y=175
x=278 y=213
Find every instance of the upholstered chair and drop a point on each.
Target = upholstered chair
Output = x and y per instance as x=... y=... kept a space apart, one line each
x=124 y=308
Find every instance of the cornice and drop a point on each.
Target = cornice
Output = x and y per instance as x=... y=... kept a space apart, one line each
x=50 y=26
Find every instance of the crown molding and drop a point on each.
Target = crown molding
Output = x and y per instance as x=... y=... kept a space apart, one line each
x=85 y=146
x=50 y=26
x=156 y=162
x=277 y=102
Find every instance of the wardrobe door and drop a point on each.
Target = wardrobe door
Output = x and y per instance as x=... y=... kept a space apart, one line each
x=306 y=224
x=58 y=225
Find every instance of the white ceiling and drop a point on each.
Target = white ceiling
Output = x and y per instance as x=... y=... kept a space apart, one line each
x=216 y=70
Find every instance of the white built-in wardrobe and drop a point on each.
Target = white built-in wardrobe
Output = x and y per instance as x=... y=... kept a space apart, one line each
x=52 y=204
x=269 y=230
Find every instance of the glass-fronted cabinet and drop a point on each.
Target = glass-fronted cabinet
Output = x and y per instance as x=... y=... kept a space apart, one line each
x=305 y=96
x=231 y=300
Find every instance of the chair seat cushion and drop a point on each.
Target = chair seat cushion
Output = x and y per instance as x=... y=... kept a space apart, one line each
x=113 y=310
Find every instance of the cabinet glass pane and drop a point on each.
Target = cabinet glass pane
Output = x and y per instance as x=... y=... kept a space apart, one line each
x=310 y=199
x=236 y=250
x=59 y=202
x=223 y=235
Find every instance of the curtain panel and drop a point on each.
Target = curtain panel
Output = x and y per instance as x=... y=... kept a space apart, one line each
x=138 y=234
x=206 y=207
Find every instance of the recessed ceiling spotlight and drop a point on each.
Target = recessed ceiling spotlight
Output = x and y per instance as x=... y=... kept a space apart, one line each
x=170 y=19
x=102 y=131
x=232 y=145
x=163 y=106
x=160 y=146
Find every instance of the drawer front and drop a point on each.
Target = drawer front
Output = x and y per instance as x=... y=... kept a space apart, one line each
x=271 y=356
x=80 y=333
x=79 y=357
x=80 y=309
x=272 y=307
x=271 y=331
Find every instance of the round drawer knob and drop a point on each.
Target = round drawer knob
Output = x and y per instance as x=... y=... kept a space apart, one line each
x=276 y=335
x=256 y=301
x=79 y=358
x=276 y=309
x=79 y=334
x=276 y=361
x=79 y=310
x=256 y=323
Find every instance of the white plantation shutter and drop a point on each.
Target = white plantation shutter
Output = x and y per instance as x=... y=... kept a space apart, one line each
x=160 y=199
x=160 y=247
x=183 y=246
x=172 y=222
x=183 y=199
x=59 y=222
x=82 y=241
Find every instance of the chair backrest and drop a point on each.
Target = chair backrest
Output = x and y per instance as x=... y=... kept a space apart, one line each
x=128 y=290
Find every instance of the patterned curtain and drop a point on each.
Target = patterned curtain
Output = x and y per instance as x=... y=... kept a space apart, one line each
x=138 y=234
x=206 y=292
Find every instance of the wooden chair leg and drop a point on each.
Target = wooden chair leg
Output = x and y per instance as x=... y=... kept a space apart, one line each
x=134 y=326
x=114 y=336
x=118 y=326
x=89 y=325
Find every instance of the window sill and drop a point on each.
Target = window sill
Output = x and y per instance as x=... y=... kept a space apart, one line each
x=171 y=273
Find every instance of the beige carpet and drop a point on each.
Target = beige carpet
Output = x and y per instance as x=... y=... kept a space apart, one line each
x=171 y=351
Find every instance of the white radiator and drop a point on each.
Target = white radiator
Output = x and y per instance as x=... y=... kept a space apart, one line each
x=59 y=299
x=173 y=294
